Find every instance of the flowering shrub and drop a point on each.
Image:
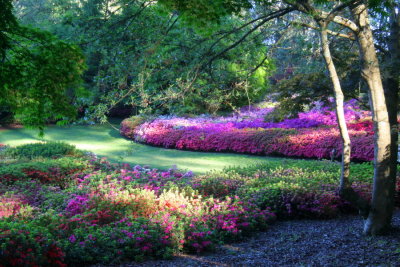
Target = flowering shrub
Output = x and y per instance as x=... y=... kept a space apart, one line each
x=218 y=184
x=313 y=134
x=110 y=213
x=124 y=239
x=129 y=125
x=13 y=205
x=27 y=244
x=50 y=171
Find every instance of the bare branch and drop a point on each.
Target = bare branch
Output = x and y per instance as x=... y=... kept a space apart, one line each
x=265 y=20
x=243 y=26
x=348 y=36
x=306 y=8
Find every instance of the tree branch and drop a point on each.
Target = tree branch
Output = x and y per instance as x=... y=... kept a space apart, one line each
x=347 y=36
x=306 y=8
x=265 y=20
x=243 y=26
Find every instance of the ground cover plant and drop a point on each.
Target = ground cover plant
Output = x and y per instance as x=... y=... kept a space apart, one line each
x=109 y=213
x=312 y=134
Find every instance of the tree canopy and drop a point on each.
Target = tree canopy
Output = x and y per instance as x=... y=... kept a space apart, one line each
x=39 y=73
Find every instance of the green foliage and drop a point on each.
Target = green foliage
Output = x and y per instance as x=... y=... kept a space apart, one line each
x=41 y=150
x=219 y=184
x=28 y=244
x=361 y=172
x=7 y=24
x=146 y=57
x=302 y=77
x=298 y=91
x=205 y=13
x=299 y=189
x=39 y=73
x=110 y=243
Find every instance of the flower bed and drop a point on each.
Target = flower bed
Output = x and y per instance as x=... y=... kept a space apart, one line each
x=109 y=213
x=313 y=134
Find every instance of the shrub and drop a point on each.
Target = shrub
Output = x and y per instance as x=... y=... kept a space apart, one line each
x=36 y=195
x=41 y=150
x=49 y=171
x=129 y=125
x=312 y=134
x=301 y=189
x=13 y=205
x=112 y=213
x=122 y=240
x=218 y=184
x=24 y=243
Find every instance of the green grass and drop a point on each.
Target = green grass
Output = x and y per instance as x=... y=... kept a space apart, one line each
x=106 y=141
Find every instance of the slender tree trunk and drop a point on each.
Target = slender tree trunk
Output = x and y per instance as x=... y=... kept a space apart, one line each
x=345 y=189
x=339 y=99
x=380 y=214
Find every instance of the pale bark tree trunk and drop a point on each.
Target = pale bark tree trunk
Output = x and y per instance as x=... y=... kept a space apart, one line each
x=345 y=189
x=381 y=209
x=380 y=214
x=339 y=99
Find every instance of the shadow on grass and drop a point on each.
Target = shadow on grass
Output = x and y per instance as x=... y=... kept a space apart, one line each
x=106 y=141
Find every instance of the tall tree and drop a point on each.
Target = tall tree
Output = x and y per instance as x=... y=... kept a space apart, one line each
x=380 y=212
x=38 y=72
x=141 y=55
x=380 y=215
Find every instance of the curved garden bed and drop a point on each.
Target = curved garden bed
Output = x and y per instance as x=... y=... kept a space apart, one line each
x=313 y=134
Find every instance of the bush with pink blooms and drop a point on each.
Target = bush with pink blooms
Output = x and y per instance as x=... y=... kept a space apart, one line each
x=110 y=213
x=312 y=134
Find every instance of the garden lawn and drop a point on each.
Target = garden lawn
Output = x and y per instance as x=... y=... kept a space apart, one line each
x=106 y=141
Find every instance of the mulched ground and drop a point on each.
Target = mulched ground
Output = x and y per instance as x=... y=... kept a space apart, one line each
x=337 y=242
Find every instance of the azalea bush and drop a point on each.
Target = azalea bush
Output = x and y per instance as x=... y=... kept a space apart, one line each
x=301 y=189
x=312 y=134
x=51 y=171
x=110 y=213
x=95 y=211
x=25 y=243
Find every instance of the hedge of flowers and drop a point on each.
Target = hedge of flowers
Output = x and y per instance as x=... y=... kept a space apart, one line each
x=98 y=212
x=95 y=211
x=312 y=134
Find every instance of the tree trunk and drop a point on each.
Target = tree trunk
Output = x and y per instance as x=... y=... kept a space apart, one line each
x=380 y=214
x=345 y=189
x=339 y=99
x=391 y=85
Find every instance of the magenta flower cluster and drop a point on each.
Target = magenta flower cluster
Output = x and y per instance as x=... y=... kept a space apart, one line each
x=313 y=134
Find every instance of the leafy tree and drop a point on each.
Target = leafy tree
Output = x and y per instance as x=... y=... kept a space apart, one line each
x=358 y=27
x=142 y=56
x=39 y=73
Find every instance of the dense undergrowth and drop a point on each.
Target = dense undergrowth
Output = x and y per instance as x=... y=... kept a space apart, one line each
x=313 y=134
x=76 y=209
